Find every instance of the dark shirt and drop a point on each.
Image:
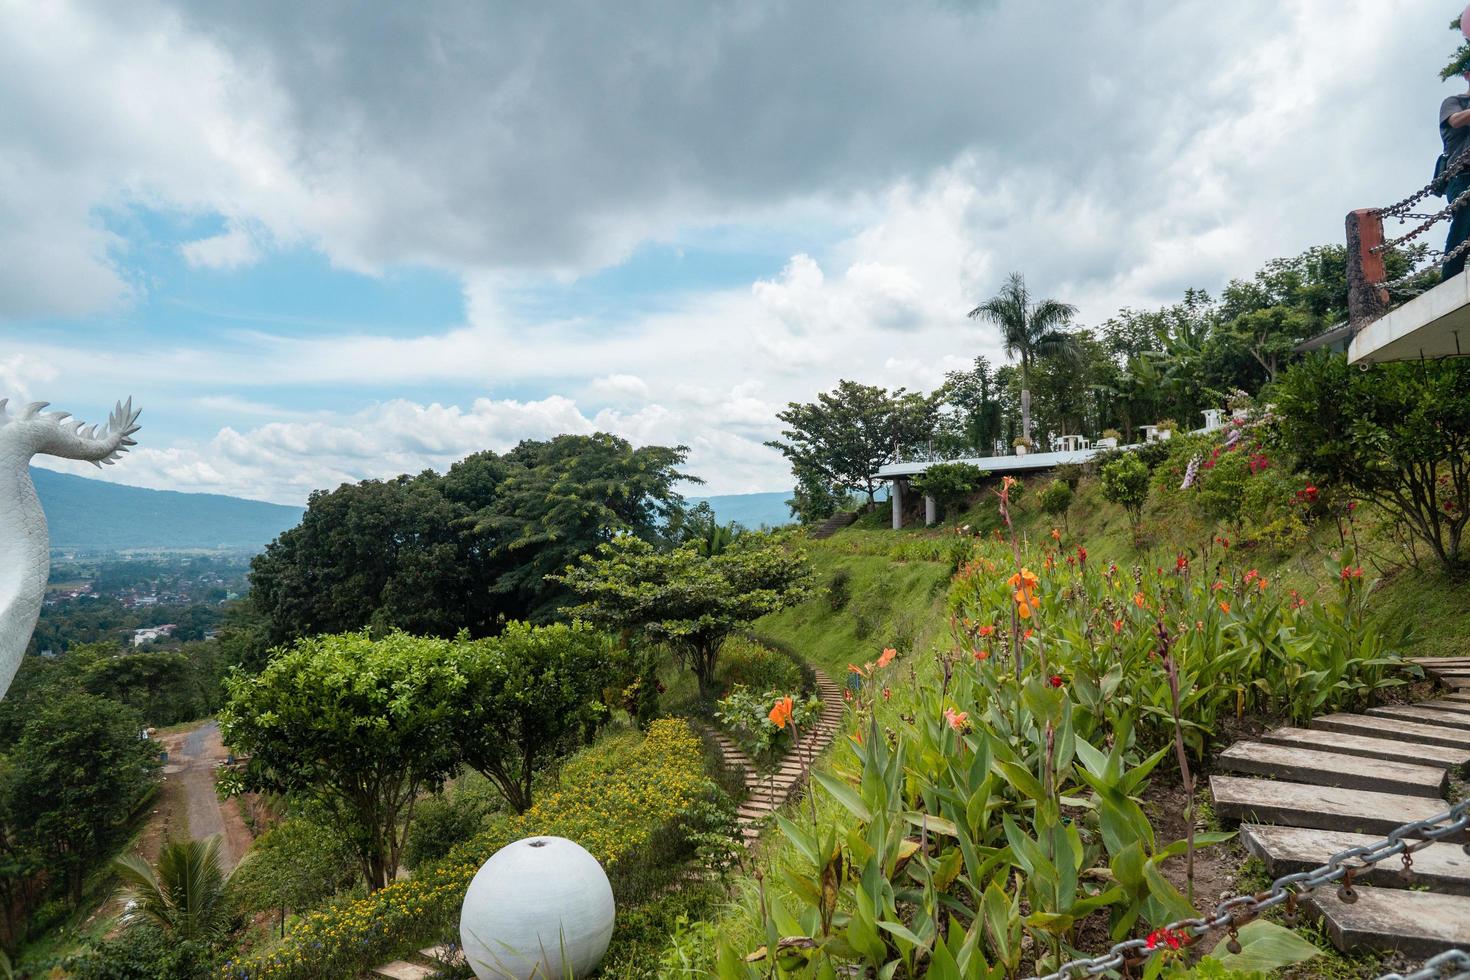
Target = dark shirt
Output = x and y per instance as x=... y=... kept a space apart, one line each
x=1454 y=140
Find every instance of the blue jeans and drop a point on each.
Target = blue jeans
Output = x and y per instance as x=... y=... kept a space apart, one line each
x=1459 y=226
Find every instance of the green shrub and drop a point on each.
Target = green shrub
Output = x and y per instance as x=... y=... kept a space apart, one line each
x=839 y=589
x=1125 y=482
x=440 y=822
x=616 y=798
x=142 y=953
x=745 y=662
x=950 y=484
x=1056 y=498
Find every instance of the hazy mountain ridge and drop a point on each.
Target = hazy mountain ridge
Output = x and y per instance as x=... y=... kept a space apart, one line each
x=92 y=515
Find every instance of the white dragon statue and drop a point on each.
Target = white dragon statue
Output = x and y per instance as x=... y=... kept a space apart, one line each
x=25 y=553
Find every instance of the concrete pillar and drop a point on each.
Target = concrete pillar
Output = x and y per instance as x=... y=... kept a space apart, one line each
x=895 y=497
x=931 y=511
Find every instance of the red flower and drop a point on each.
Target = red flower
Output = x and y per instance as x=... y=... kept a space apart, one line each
x=1181 y=564
x=1117 y=626
x=1164 y=937
x=1056 y=680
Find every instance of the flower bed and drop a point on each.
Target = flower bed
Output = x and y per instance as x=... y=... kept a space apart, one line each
x=616 y=799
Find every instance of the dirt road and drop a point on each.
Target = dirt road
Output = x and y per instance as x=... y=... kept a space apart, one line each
x=193 y=757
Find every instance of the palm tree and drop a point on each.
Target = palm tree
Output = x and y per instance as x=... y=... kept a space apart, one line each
x=1029 y=331
x=184 y=895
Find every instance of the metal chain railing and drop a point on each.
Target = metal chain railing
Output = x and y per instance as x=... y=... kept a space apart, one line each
x=1430 y=221
x=1235 y=912
x=1452 y=964
x=1400 y=209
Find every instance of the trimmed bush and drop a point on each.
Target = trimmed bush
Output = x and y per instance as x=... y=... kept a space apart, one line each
x=627 y=800
x=745 y=662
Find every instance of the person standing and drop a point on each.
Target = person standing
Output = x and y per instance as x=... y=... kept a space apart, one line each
x=1454 y=133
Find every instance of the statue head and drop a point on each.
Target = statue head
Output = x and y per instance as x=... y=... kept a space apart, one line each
x=33 y=432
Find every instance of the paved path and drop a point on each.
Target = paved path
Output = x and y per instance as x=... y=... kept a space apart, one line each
x=193 y=759
x=1304 y=794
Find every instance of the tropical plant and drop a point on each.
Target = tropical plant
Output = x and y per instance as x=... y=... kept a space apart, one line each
x=184 y=895
x=1029 y=331
x=1056 y=499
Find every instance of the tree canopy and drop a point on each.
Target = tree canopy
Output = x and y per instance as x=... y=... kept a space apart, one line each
x=360 y=727
x=684 y=599
x=433 y=555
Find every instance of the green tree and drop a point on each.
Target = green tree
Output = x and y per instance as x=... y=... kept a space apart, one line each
x=532 y=693
x=183 y=895
x=815 y=497
x=841 y=439
x=361 y=727
x=380 y=553
x=563 y=498
x=1398 y=435
x=975 y=394
x=950 y=484
x=293 y=866
x=683 y=599
x=1125 y=482
x=1029 y=331
x=80 y=771
x=1056 y=499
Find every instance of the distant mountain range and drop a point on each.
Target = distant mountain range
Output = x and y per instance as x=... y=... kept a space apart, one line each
x=750 y=509
x=91 y=515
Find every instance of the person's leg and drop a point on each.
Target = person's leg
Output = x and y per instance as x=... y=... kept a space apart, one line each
x=1459 y=229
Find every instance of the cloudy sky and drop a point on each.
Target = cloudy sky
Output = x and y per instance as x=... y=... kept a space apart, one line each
x=328 y=241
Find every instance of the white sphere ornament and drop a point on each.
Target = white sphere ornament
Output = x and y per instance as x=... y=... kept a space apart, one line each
x=541 y=907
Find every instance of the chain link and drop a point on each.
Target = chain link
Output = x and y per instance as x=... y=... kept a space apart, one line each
x=1452 y=964
x=1436 y=186
x=1235 y=912
x=1429 y=222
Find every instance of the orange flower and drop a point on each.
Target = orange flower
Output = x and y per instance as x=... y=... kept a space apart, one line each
x=1056 y=535
x=1138 y=599
x=855 y=669
x=982 y=655
x=1224 y=607
x=958 y=720
x=781 y=713
x=888 y=654
x=1117 y=626
x=857 y=737
x=1024 y=584
x=987 y=630
x=1261 y=583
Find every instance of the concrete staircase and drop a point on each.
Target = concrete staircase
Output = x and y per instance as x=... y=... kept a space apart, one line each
x=1304 y=794
x=833 y=524
x=769 y=791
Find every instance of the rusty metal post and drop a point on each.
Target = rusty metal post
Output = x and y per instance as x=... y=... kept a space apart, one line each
x=1367 y=299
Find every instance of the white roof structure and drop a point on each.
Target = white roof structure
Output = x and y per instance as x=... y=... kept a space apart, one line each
x=994 y=464
x=1434 y=324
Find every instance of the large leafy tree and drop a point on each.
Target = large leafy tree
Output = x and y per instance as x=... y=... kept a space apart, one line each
x=360 y=727
x=78 y=773
x=1029 y=330
x=840 y=440
x=686 y=600
x=532 y=692
x=974 y=395
x=563 y=498
x=381 y=553
x=1398 y=435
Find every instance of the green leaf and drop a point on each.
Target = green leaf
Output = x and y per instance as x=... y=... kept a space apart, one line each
x=845 y=795
x=1265 y=947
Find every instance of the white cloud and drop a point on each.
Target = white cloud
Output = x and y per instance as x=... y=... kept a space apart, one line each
x=236 y=246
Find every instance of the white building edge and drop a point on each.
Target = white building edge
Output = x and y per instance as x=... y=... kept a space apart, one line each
x=1076 y=449
x=1432 y=325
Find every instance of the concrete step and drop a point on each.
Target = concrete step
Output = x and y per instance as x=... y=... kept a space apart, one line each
x=1398 y=729
x=1417 y=924
x=1445 y=663
x=1447 y=704
x=1456 y=683
x=1239 y=799
x=1287 y=850
x=1457 y=760
x=404 y=970
x=1302 y=765
x=1448 y=719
